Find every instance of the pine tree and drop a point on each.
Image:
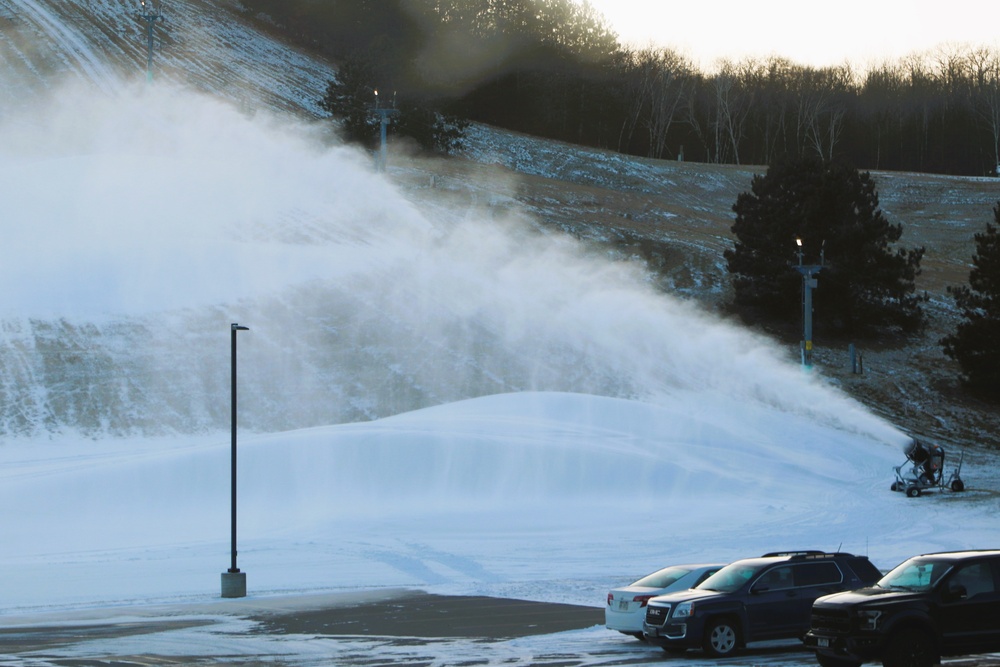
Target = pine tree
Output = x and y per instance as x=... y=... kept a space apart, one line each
x=975 y=344
x=864 y=285
x=350 y=98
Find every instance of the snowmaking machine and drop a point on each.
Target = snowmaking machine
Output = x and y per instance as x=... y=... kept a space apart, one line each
x=924 y=469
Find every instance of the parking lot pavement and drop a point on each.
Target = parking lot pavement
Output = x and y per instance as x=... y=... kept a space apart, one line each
x=437 y=616
x=397 y=628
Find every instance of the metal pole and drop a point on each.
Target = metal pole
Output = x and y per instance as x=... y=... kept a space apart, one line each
x=151 y=17
x=149 y=47
x=234 y=328
x=383 y=122
x=809 y=282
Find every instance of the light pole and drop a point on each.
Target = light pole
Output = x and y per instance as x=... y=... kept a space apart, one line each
x=151 y=16
x=384 y=114
x=234 y=582
x=809 y=283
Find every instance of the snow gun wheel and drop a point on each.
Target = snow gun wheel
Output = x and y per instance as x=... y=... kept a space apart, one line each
x=957 y=485
x=912 y=492
x=894 y=487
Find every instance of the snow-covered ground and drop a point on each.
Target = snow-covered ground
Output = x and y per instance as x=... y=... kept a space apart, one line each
x=543 y=496
x=430 y=397
x=628 y=430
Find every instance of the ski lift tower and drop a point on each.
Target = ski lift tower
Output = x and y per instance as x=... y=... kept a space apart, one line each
x=150 y=15
x=809 y=283
x=384 y=114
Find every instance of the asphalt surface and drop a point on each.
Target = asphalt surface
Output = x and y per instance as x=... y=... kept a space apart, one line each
x=400 y=628
x=437 y=616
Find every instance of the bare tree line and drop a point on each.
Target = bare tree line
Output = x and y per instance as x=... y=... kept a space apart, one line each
x=556 y=69
x=932 y=112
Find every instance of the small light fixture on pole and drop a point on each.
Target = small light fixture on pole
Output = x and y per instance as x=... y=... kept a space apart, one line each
x=809 y=283
x=150 y=15
x=234 y=582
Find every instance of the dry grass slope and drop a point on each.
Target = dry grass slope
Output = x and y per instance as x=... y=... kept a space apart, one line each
x=619 y=203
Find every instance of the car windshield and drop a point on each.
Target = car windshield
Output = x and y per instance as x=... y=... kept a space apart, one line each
x=663 y=578
x=730 y=578
x=916 y=574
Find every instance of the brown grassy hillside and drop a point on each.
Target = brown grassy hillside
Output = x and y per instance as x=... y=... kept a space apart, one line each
x=678 y=217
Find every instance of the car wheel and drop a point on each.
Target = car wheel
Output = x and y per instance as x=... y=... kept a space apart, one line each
x=909 y=648
x=958 y=485
x=832 y=661
x=721 y=638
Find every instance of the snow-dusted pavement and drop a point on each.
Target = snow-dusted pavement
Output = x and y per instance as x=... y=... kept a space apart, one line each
x=548 y=497
x=272 y=632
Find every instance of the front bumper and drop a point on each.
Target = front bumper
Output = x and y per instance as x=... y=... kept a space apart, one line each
x=860 y=647
x=673 y=634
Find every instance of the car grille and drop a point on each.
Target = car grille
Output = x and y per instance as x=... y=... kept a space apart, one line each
x=657 y=615
x=834 y=621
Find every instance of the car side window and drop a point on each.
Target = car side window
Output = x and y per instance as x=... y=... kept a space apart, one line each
x=817 y=574
x=775 y=579
x=703 y=577
x=976 y=578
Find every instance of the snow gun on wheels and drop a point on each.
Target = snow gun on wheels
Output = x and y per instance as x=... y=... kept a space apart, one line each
x=924 y=469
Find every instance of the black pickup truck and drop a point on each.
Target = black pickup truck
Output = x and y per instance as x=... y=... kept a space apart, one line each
x=934 y=605
x=751 y=600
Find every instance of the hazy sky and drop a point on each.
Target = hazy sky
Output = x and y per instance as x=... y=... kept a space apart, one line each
x=814 y=33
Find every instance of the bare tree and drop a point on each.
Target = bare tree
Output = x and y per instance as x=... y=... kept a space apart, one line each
x=733 y=103
x=821 y=103
x=985 y=69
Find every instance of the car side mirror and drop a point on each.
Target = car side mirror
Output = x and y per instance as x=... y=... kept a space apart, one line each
x=956 y=592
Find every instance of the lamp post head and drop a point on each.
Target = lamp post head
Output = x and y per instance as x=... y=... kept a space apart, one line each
x=237 y=327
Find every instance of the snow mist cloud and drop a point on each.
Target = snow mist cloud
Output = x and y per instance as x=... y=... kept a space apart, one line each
x=138 y=226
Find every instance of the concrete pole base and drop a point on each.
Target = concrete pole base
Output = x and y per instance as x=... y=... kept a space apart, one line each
x=234 y=584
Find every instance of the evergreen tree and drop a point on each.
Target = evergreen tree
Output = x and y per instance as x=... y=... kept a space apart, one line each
x=975 y=344
x=433 y=131
x=863 y=287
x=350 y=98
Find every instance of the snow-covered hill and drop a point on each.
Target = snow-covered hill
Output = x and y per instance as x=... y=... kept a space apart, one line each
x=102 y=44
x=438 y=389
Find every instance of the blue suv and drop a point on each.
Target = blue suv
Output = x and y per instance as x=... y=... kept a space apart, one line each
x=755 y=599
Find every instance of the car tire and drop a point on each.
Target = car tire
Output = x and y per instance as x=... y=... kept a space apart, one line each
x=909 y=648
x=721 y=638
x=833 y=661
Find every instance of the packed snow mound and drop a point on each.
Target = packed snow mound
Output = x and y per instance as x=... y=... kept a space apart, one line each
x=483 y=486
x=540 y=452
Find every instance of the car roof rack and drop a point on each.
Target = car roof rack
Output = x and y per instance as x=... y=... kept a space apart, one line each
x=806 y=552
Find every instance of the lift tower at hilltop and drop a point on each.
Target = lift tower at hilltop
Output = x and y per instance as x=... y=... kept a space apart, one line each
x=150 y=15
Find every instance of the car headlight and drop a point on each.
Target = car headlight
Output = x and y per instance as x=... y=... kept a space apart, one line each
x=684 y=610
x=868 y=619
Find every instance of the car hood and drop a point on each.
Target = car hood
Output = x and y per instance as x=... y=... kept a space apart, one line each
x=685 y=596
x=866 y=595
